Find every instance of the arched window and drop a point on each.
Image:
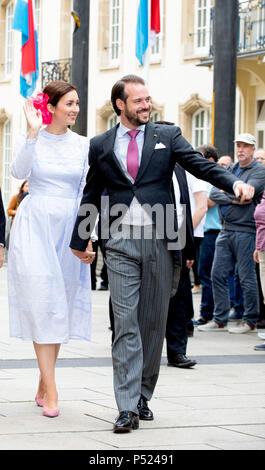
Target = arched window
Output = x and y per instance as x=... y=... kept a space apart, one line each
x=200 y=128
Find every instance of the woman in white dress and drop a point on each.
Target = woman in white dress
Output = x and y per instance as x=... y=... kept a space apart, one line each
x=49 y=288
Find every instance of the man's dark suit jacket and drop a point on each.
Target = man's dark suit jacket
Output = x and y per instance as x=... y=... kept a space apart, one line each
x=153 y=181
x=2 y=220
x=180 y=309
x=188 y=252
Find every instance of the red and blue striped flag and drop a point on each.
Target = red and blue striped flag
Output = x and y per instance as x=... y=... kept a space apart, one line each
x=155 y=21
x=24 y=22
x=143 y=38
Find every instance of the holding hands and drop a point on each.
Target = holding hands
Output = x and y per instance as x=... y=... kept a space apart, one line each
x=87 y=256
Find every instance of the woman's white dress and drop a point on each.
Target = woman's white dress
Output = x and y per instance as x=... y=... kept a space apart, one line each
x=49 y=288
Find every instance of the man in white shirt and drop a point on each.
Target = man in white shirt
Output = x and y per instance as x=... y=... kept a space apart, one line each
x=180 y=310
x=198 y=202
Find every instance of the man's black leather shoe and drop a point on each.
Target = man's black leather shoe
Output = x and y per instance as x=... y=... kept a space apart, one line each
x=126 y=421
x=144 y=412
x=180 y=360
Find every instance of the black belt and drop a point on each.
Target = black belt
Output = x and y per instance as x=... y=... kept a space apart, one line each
x=212 y=230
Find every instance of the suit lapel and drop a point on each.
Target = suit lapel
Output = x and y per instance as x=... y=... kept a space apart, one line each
x=108 y=147
x=150 y=140
x=108 y=144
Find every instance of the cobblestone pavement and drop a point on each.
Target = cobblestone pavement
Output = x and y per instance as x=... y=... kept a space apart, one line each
x=219 y=404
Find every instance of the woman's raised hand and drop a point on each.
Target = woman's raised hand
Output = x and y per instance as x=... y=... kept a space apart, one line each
x=34 y=118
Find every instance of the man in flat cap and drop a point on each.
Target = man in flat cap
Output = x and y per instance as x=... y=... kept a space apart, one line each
x=236 y=242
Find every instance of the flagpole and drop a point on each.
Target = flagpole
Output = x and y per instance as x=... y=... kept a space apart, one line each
x=147 y=54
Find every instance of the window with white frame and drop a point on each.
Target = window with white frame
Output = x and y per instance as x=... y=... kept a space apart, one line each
x=200 y=128
x=115 y=31
x=37 y=12
x=202 y=25
x=156 y=49
x=72 y=28
x=7 y=155
x=155 y=116
x=112 y=121
x=260 y=124
x=239 y=116
x=37 y=16
x=9 y=39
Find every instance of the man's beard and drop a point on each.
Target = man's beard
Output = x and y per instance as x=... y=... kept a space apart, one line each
x=136 y=120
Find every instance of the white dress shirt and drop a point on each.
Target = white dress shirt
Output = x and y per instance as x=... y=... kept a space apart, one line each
x=196 y=185
x=135 y=215
x=179 y=206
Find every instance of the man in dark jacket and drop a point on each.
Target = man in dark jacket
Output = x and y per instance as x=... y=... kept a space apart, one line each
x=134 y=162
x=236 y=242
x=180 y=311
x=2 y=230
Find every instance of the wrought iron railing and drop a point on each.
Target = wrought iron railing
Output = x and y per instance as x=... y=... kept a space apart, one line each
x=251 y=27
x=55 y=70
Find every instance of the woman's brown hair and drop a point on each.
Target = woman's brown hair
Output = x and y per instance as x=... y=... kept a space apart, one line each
x=56 y=89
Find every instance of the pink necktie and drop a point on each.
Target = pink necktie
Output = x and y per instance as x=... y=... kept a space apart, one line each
x=133 y=154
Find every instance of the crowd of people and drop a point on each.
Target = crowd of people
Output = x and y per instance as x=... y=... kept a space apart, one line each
x=137 y=166
x=228 y=273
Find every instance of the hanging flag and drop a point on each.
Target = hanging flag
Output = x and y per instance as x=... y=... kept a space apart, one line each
x=155 y=21
x=142 y=30
x=142 y=33
x=24 y=22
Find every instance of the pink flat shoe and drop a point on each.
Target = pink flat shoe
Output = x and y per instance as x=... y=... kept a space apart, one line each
x=50 y=413
x=39 y=401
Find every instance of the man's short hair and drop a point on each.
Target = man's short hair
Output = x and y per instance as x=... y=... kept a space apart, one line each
x=208 y=152
x=118 y=90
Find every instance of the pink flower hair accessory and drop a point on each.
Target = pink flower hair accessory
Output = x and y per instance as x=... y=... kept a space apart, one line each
x=40 y=102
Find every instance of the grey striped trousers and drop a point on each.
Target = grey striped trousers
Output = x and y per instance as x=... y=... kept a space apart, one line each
x=140 y=273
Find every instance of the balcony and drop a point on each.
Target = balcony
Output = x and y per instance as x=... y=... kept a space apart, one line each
x=251 y=30
x=251 y=27
x=55 y=70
